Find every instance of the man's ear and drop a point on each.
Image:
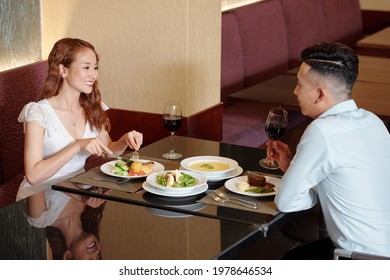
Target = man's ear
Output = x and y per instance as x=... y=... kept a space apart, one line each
x=321 y=94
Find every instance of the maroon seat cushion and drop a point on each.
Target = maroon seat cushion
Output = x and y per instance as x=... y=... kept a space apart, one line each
x=232 y=61
x=9 y=190
x=17 y=87
x=343 y=21
x=305 y=25
x=264 y=40
x=244 y=123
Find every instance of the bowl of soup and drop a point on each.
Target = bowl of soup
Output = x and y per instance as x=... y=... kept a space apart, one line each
x=210 y=166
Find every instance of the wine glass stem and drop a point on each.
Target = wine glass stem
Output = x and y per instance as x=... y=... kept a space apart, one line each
x=270 y=161
x=172 y=145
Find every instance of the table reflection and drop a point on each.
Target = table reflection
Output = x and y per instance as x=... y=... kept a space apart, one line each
x=139 y=224
x=71 y=222
x=190 y=203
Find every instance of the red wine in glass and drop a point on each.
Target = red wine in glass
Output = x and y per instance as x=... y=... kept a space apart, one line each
x=172 y=120
x=275 y=127
x=172 y=123
x=275 y=131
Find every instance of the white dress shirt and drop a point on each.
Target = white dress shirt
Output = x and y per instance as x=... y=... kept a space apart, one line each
x=344 y=156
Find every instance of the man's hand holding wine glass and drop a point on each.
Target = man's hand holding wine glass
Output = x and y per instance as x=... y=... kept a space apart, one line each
x=275 y=127
x=279 y=152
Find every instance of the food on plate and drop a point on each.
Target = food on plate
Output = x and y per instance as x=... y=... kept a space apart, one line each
x=121 y=169
x=267 y=188
x=133 y=168
x=147 y=167
x=256 y=183
x=175 y=179
x=243 y=186
x=256 y=180
x=209 y=166
x=136 y=166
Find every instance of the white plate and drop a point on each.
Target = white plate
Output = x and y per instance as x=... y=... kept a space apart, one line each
x=152 y=180
x=149 y=188
x=171 y=214
x=232 y=164
x=235 y=172
x=231 y=185
x=109 y=166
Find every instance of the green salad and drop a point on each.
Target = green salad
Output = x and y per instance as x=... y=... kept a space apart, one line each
x=176 y=179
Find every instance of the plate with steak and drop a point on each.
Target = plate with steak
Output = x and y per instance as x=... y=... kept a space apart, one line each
x=253 y=184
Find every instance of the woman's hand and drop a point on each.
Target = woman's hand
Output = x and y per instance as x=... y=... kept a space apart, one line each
x=93 y=145
x=95 y=202
x=133 y=139
x=279 y=152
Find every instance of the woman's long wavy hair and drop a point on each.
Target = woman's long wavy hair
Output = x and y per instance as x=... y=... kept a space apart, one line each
x=90 y=220
x=64 y=52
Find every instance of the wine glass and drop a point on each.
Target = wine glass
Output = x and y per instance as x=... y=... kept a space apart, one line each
x=172 y=119
x=275 y=127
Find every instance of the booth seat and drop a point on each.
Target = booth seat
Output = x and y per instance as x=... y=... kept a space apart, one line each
x=18 y=86
x=263 y=40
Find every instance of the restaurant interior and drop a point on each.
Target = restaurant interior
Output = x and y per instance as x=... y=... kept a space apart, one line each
x=227 y=62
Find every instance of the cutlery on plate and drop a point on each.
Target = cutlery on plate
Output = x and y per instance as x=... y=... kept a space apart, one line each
x=265 y=174
x=227 y=198
x=122 y=158
x=220 y=199
x=135 y=155
x=113 y=180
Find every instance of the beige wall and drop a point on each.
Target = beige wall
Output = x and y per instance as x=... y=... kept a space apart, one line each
x=151 y=51
x=231 y=4
x=379 y=5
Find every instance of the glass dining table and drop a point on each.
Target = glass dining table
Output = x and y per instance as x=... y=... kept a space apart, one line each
x=138 y=224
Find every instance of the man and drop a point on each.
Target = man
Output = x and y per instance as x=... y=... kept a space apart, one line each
x=343 y=158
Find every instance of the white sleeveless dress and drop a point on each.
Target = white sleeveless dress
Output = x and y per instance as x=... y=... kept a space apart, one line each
x=56 y=137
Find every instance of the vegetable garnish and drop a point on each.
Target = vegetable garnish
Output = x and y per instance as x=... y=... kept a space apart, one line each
x=265 y=189
x=176 y=179
x=121 y=168
x=207 y=165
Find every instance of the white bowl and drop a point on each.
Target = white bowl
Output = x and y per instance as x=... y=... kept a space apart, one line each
x=220 y=165
x=200 y=181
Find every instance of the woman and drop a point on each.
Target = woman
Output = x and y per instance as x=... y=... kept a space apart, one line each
x=69 y=122
x=72 y=222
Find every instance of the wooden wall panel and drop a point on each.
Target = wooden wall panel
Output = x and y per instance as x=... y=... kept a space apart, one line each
x=206 y=124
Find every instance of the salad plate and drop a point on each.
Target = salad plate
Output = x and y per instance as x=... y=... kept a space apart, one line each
x=107 y=168
x=149 y=188
x=232 y=184
x=209 y=165
x=197 y=179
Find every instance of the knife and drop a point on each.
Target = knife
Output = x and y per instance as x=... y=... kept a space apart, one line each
x=122 y=158
x=266 y=174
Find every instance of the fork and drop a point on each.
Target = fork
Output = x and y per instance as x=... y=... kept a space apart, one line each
x=117 y=181
x=135 y=155
x=227 y=198
x=220 y=199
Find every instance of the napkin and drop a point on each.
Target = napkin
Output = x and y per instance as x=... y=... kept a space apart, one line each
x=85 y=178
x=264 y=206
